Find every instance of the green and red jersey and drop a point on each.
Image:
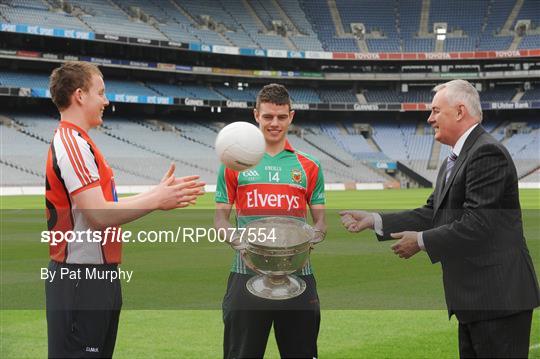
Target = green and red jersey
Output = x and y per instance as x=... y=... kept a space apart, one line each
x=282 y=185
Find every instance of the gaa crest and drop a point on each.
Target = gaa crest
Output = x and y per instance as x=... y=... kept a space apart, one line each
x=296 y=176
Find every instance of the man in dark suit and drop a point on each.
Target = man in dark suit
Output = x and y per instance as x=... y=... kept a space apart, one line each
x=472 y=225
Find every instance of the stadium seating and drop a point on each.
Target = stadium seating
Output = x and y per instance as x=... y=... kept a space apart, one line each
x=308 y=40
x=387 y=95
x=419 y=45
x=317 y=11
x=460 y=44
x=170 y=90
x=488 y=42
x=422 y=94
x=129 y=88
x=459 y=14
x=304 y=95
x=530 y=10
x=384 y=45
x=238 y=95
x=31 y=80
x=139 y=150
x=108 y=18
x=308 y=23
x=532 y=94
x=499 y=93
x=35 y=12
x=299 y=94
x=409 y=19
x=530 y=42
x=337 y=95
x=373 y=14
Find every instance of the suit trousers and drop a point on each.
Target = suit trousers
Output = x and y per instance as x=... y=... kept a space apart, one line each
x=506 y=337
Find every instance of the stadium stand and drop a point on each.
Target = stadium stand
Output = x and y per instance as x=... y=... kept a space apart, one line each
x=304 y=95
x=299 y=94
x=499 y=93
x=374 y=15
x=408 y=22
x=32 y=80
x=391 y=25
x=317 y=12
x=381 y=95
x=306 y=40
x=235 y=94
x=139 y=148
x=459 y=15
x=35 y=12
x=109 y=18
x=530 y=10
x=337 y=95
x=129 y=88
x=460 y=44
x=530 y=42
x=532 y=94
x=488 y=42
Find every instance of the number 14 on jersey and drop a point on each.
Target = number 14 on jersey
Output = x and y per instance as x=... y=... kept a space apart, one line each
x=273 y=176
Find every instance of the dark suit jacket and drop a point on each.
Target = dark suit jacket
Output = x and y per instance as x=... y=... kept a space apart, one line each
x=472 y=226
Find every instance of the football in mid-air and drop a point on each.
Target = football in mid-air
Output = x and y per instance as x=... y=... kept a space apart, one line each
x=240 y=145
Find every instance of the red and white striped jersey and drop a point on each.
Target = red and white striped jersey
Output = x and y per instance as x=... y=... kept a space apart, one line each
x=75 y=164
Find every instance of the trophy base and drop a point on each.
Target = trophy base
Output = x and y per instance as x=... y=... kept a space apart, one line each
x=276 y=287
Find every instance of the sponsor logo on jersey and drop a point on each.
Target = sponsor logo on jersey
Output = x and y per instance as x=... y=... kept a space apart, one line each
x=296 y=175
x=272 y=200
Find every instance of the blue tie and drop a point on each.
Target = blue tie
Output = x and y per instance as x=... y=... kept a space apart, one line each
x=450 y=161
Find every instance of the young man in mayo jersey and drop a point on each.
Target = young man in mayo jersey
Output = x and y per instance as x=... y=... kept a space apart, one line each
x=83 y=311
x=286 y=183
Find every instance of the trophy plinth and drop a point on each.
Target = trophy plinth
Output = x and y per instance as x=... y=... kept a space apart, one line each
x=276 y=287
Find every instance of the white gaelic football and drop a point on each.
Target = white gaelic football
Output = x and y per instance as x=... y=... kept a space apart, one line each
x=240 y=145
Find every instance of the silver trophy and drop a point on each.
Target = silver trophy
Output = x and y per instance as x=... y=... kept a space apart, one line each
x=284 y=251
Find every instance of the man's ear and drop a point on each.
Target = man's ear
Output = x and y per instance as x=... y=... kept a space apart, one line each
x=461 y=112
x=291 y=116
x=77 y=96
x=256 y=115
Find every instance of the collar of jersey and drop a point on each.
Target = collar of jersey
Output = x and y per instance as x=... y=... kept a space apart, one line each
x=72 y=125
x=288 y=148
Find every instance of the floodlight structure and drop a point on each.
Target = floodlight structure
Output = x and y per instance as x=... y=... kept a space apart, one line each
x=440 y=29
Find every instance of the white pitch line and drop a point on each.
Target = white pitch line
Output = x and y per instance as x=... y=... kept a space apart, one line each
x=534 y=346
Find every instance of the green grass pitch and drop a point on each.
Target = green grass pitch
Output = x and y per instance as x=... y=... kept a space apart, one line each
x=374 y=305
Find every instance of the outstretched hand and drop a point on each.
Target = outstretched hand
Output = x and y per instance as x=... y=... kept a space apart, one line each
x=173 y=192
x=356 y=221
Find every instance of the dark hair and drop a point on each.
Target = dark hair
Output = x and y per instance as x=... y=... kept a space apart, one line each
x=69 y=77
x=273 y=93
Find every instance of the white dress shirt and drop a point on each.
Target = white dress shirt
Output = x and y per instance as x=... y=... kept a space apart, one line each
x=377 y=220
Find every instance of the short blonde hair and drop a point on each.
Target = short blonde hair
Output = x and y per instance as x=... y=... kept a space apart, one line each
x=463 y=92
x=69 y=77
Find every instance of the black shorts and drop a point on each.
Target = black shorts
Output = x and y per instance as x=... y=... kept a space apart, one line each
x=82 y=311
x=248 y=320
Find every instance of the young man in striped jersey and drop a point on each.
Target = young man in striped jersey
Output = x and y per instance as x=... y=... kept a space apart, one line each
x=286 y=182
x=83 y=313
